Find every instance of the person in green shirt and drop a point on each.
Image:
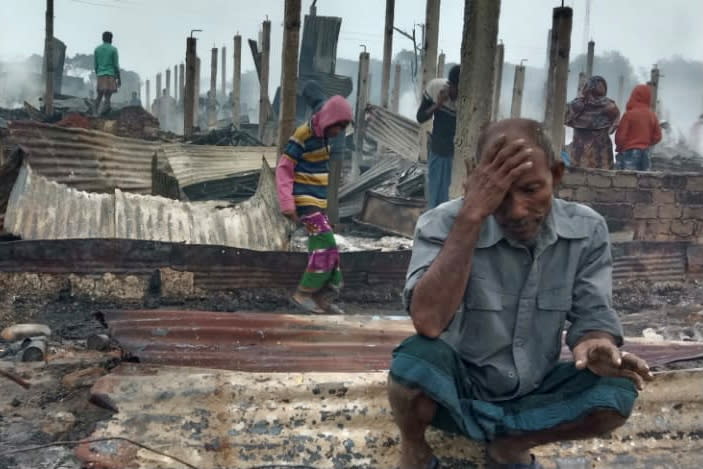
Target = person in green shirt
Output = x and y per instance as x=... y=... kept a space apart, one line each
x=107 y=70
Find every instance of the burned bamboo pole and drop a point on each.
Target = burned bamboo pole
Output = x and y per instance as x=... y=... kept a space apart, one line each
x=264 y=101
x=361 y=101
x=212 y=95
x=236 y=80
x=190 y=96
x=387 y=53
x=49 y=60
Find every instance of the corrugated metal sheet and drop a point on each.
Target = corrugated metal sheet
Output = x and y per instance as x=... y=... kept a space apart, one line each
x=86 y=160
x=376 y=175
x=192 y=164
x=653 y=261
x=9 y=170
x=259 y=342
x=395 y=215
x=394 y=132
x=226 y=419
x=318 y=48
x=43 y=209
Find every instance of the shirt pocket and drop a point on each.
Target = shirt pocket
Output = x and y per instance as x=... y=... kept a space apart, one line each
x=481 y=297
x=553 y=305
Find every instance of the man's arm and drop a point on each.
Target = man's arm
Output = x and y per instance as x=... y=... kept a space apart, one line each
x=95 y=61
x=595 y=333
x=437 y=295
x=426 y=110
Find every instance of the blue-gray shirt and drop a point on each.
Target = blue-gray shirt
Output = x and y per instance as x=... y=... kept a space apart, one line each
x=509 y=327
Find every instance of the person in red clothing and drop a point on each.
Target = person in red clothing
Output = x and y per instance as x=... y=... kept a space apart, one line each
x=638 y=131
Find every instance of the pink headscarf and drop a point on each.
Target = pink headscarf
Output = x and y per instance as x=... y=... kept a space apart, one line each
x=334 y=111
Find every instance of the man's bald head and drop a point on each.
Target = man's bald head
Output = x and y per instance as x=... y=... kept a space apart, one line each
x=529 y=129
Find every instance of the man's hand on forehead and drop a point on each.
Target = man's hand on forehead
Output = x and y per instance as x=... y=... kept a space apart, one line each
x=502 y=162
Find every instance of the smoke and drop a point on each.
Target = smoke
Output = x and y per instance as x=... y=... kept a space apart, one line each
x=19 y=82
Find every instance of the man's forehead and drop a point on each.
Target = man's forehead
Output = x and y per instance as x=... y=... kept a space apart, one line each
x=512 y=130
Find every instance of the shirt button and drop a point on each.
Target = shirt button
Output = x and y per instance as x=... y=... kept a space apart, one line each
x=511 y=374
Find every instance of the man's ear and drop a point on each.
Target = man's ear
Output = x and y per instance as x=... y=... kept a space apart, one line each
x=557 y=172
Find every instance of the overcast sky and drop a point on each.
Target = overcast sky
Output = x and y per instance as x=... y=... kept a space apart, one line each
x=150 y=34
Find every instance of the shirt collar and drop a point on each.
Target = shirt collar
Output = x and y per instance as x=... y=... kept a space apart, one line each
x=558 y=224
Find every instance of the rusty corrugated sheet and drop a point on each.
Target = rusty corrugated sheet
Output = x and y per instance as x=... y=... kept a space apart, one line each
x=221 y=268
x=216 y=418
x=259 y=342
x=653 y=261
x=87 y=160
x=394 y=132
x=43 y=209
x=214 y=268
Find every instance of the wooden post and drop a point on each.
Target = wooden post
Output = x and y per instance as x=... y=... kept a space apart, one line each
x=236 y=80
x=289 y=72
x=224 y=74
x=181 y=82
x=621 y=91
x=478 y=52
x=212 y=95
x=49 y=60
x=440 y=65
x=589 y=59
x=395 y=98
x=559 y=73
x=176 y=85
x=518 y=86
x=581 y=82
x=190 y=97
x=548 y=82
x=147 y=104
x=429 y=64
x=264 y=102
x=362 y=90
x=196 y=105
x=429 y=48
x=654 y=85
x=168 y=82
x=159 y=89
x=387 y=53
x=497 y=80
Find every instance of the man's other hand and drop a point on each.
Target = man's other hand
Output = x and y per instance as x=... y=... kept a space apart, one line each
x=603 y=358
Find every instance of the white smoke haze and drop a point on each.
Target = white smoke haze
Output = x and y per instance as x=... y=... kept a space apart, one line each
x=150 y=35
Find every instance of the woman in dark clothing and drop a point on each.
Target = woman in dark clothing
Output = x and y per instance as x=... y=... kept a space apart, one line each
x=593 y=117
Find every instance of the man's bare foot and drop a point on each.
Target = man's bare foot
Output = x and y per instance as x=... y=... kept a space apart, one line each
x=503 y=451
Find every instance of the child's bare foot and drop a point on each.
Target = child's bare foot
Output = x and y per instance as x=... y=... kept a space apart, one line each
x=306 y=302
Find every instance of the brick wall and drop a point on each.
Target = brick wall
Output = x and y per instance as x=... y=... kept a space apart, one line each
x=641 y=206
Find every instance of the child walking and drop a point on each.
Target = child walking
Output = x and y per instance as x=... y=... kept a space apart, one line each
x=301 y=182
